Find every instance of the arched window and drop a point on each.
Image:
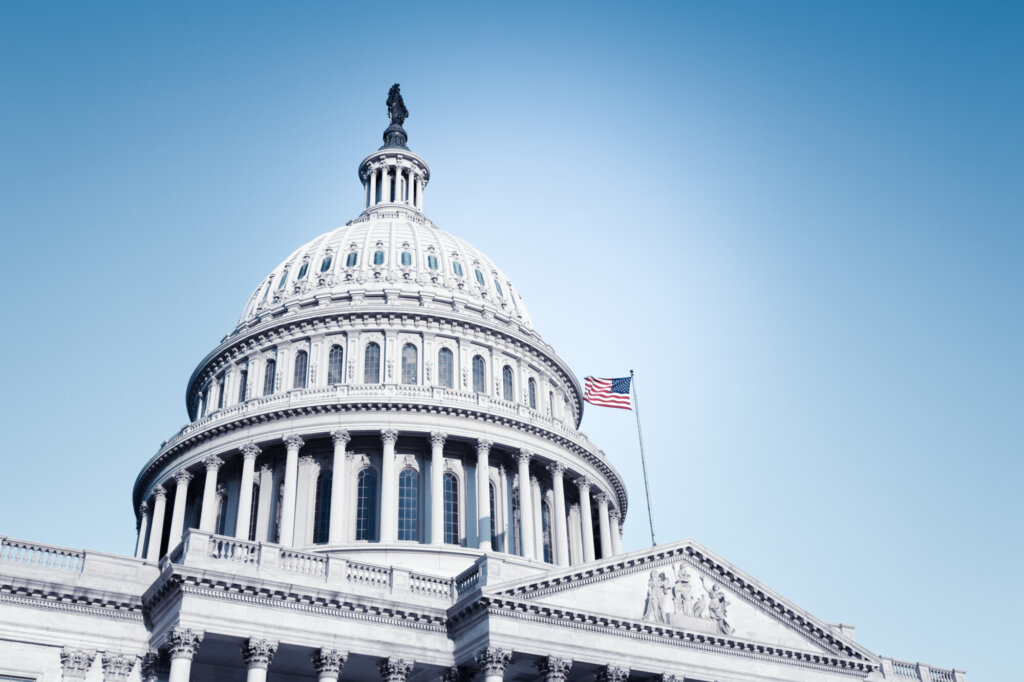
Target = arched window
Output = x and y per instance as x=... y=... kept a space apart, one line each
x=325 y=265
x=243 y=381
x=366 y=505
x=303 y=270
x=335 y=365
x=254 y=507
x=451 y=509
x=479 y=384
x=284 y=280
x=498 y=288
x=494 y=523
x=301 y=369
x=545 y=524
x=410 y=362
x=446 y=368
x=268 y=376
x=457 y=268
x=322 y=508
x=351 y=260
x=480 y=278
x=506 y=384
x=378 y=258
x=371 y=364
x=531 y=387
x=408 y=504
x=432 y=262
x=406 y=258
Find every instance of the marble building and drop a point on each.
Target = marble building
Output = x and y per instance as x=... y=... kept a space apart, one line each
x=383 y=478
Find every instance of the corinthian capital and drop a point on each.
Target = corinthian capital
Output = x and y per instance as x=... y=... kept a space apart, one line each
x=524 y=454
x=258 y=653
x=583 y=483
x=393 y=669
x=184 y=642
x=614 y=514
x=554 y=669
x=556 y=469
x=117 y=667
x=182 y=477
x=293 y=441
x=213 y=463
x=389 y=437
x=438 y=438
x=493 y=661
x=153 y=667
x=483 y=445
x=329 y=662
x=76 y=663
x=341 y=436
x=159 y=492
x=612 y=673
x=143 y=509
x=600 y=497
x=250 y=450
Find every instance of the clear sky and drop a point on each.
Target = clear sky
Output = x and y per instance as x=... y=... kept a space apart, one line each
x=800 y=223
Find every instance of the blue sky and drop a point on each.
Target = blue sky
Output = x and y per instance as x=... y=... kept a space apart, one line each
x=800 y=223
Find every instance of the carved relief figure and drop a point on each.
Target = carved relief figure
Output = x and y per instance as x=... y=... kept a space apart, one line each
x=716 y=607
x=682 y=591
x=657 y=593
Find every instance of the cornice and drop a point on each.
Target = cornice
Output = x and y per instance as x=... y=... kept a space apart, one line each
x=51 y=596
x=384 y=404
x=498 y=607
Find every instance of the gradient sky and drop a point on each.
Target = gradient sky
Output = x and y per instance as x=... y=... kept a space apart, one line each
x=800 y=223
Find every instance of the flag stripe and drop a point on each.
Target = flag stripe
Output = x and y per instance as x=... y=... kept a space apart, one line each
x=608 y=392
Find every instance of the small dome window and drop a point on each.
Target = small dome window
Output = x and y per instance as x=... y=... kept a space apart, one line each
x=284 y=279
x=303 y=270
x=498 y=287
x=352 y=258
x=378 y=258
x=457 y=268
x=406 y=258
x=432 y=262
x=326 y=264
x=480 y=278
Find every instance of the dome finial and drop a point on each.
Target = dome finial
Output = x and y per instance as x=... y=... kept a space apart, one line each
x=395 y=135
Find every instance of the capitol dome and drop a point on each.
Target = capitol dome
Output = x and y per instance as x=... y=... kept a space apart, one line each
x=384 y=394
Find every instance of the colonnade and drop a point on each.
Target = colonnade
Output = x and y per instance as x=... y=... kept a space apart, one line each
x=392 y=182
x=567 y=526
x=491 y=663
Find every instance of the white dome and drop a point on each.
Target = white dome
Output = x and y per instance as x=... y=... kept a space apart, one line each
x=389 y=249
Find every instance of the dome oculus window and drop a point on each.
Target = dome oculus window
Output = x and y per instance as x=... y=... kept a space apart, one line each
x=352 y=258
x=406 y=258
x=432 y=262
x=378 y=258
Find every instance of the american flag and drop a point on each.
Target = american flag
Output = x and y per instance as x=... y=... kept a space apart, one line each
x=607 y=392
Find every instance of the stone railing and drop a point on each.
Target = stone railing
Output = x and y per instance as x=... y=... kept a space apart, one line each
x=259 y=559
x=353 y=393
x=34 y=555
x=905 y=670
x=468 y=580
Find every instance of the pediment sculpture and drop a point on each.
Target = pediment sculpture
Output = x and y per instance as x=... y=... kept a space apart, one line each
x=675 y=597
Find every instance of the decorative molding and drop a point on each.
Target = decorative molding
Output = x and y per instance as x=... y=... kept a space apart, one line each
x=258 y=653
x=329 y=662
x=493 y=661
x=394 y=669
x=554 y=669
x=75 y=663
x=184 y=642
x=341 y=436
x=293 y=441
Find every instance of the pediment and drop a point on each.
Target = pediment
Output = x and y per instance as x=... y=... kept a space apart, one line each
x=684 y=587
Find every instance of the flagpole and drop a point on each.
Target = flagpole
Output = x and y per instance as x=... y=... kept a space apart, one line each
x=643 y=458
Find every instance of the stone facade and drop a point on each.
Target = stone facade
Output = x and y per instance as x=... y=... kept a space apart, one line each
x=383 y=479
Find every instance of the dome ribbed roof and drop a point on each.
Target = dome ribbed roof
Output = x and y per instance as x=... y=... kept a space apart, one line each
x=392 y=248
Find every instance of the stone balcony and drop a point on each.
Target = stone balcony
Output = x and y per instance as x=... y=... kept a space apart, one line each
x=894 y=669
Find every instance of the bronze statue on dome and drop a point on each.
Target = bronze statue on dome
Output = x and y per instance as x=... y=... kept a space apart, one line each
x=396 y=106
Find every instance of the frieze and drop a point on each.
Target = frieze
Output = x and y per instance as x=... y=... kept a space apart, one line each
x=675 y=597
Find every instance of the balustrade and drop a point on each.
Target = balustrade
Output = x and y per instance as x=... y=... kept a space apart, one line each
x=41 y=556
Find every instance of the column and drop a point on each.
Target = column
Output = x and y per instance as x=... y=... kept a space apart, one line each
x=613 y=514
x=612 y=673
x=75 y=663
x=244 y=517
x=373 y=187
x=575 y=536
x=561 y=538
x=329 y=663
x=385 y=185
x=586 y=518
x=388 y=505
x=140 y=548
x=153 y=667
x=525 y=505
x=181 y=479
x=291 y=479
x=554 y=669
x=394 y=669
x=483 y=495
x=602 y=520
x=437 y=439
x=492 y=663
x=538 y=517
x=336 y=532
x=263 y=504
x=208 y=518
x=501 y=506
x=257 y=654
x=156 y=534
x=423 y=184
x=183 y=644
